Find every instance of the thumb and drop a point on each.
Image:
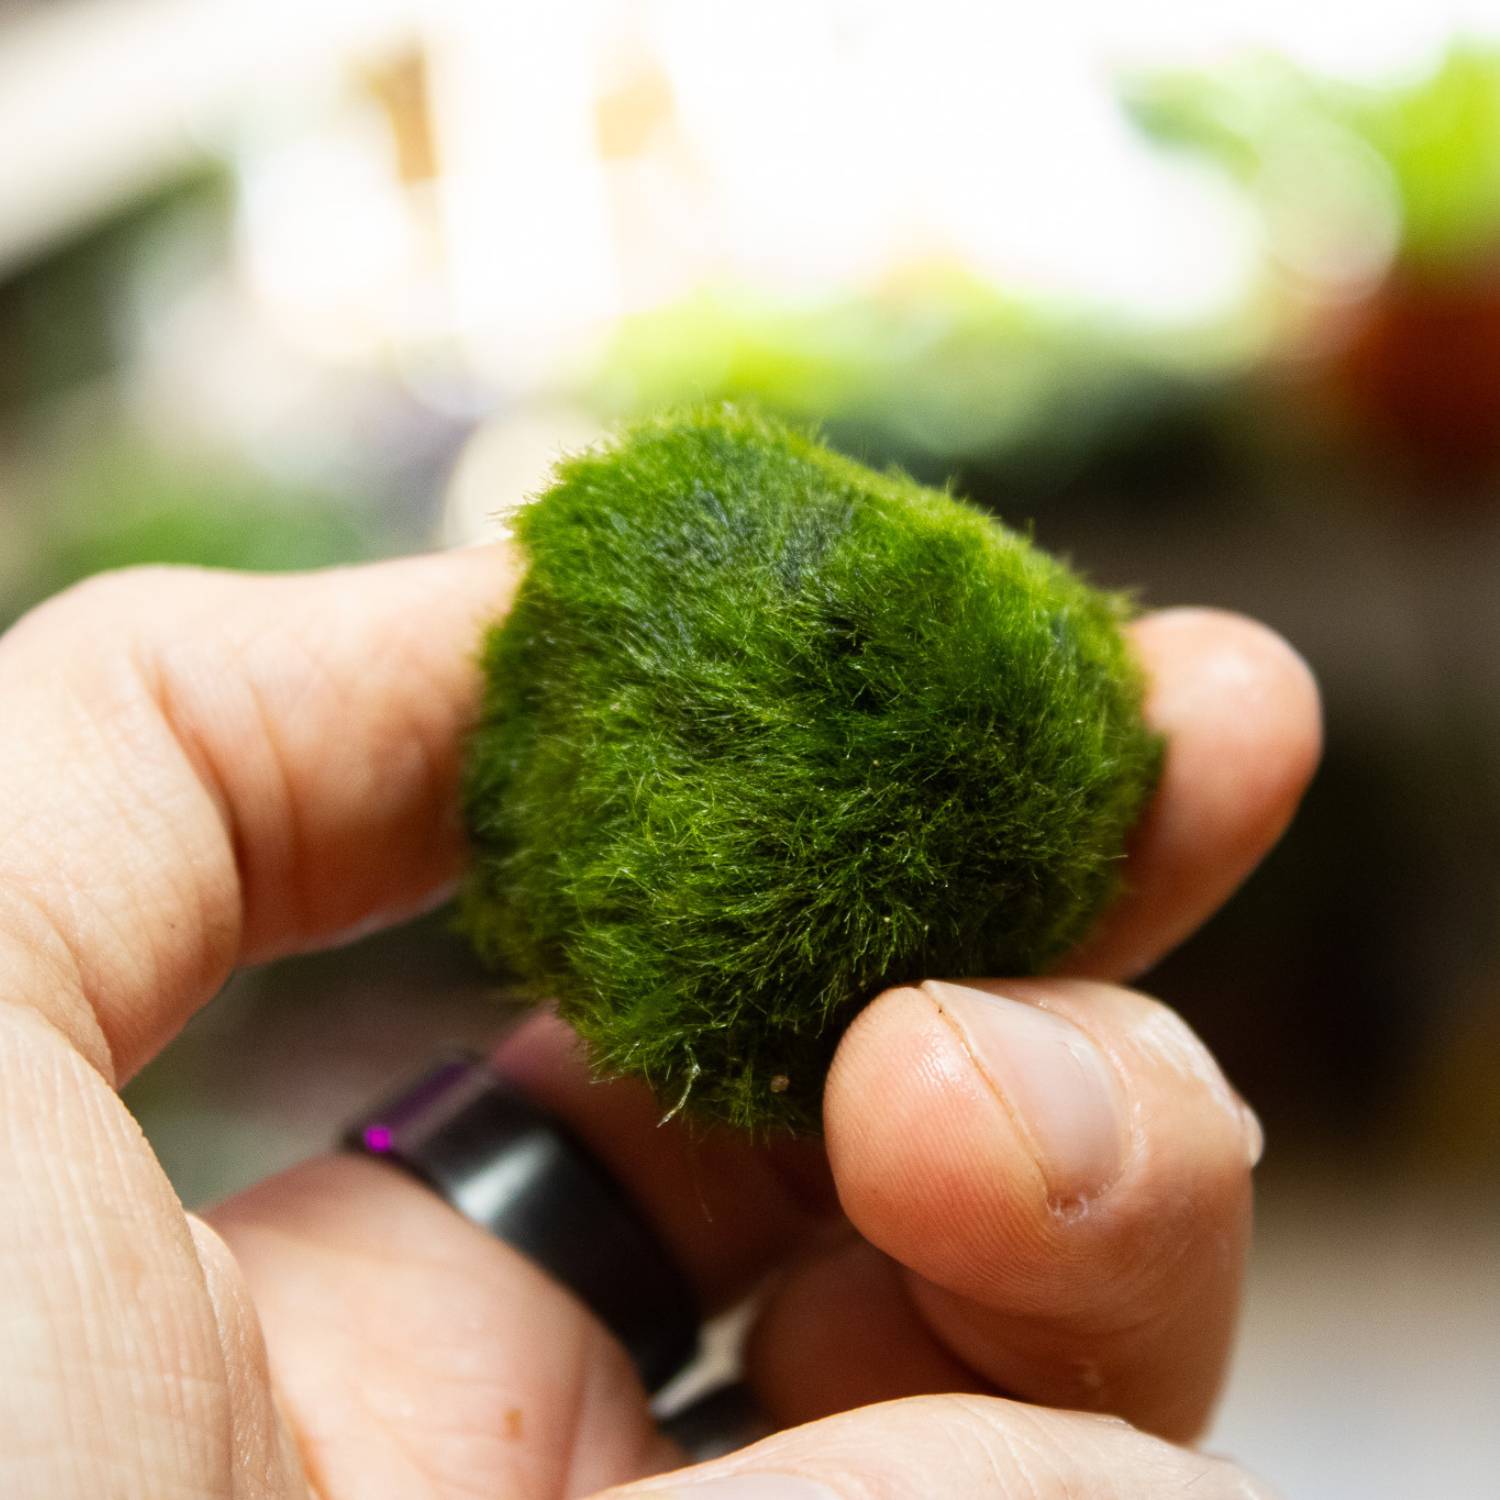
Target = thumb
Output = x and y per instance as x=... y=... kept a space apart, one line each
x=955 y=1445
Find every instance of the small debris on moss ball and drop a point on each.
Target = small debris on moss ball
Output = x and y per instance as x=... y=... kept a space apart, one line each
x=766 y=732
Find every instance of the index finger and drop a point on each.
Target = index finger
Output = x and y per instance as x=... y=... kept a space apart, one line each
x=200 y=769
x=1239 y=711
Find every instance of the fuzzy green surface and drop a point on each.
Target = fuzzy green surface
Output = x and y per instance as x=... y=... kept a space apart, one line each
x=766 y=732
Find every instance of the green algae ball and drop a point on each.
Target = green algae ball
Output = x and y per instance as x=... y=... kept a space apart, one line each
x=766 y=732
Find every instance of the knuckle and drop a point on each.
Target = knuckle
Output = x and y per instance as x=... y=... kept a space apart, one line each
x=108 y=611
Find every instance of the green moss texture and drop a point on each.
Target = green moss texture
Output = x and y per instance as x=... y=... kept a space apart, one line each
x=765 y=732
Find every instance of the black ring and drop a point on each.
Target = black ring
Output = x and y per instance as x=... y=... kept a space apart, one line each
x=512 y=1169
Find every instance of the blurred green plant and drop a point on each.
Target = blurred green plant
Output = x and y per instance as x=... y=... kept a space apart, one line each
x=1381 y=214
x=939 y=372
x=127 y=502
x=1435 y=139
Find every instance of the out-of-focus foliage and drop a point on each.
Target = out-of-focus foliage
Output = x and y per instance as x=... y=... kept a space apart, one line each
x=1357 y=188
x=126 y=503
x=1380 y=209
x=87 y=495
x=1436 y=138
x=939 y=372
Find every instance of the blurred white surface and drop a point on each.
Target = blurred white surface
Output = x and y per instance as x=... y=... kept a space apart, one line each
x=1369 y=1362
x=100 y=99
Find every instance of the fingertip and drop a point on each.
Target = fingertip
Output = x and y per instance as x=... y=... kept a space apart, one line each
x=1220 y=681
x=1065 y=1174
x=924 y=1156
x=1240 y=714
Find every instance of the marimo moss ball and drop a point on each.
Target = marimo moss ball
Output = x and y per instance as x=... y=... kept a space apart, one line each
x=766 y=732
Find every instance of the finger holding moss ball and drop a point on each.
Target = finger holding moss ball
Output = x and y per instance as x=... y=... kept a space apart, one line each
x=766 y=732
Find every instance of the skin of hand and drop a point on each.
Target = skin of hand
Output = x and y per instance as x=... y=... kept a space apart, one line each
x=1025 y=1231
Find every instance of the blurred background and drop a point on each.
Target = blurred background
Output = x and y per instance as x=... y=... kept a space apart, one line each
x=1207 y=295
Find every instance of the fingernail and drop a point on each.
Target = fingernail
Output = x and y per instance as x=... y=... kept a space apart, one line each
x=746 y=1487
x=1060 y=1087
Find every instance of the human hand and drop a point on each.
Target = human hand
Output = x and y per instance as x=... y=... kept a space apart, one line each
x=199 y=770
